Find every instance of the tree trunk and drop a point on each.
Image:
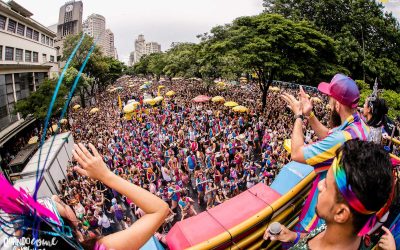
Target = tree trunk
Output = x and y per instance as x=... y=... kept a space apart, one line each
x=266 y=83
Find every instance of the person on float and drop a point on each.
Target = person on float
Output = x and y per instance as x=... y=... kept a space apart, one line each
x=358 y=186
x=345 y=124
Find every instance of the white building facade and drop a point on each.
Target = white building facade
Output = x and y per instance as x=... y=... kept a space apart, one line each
x=144 y=48
x=27 y=57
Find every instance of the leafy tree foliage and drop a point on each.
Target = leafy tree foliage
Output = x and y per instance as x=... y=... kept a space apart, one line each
x=368 y=39
x=38 y=102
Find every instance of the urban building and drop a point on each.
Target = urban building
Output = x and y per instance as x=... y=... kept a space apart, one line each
x=95 y=26
x=142 y=48
x=152 y=47
x=115 y=53
x=27 y=57
x=109 y=45
x=70 y=19
x=131 y=59
x=69 y=22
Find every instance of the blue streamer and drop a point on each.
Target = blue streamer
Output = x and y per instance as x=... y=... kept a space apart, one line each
x=53 y=100
x=63 y=113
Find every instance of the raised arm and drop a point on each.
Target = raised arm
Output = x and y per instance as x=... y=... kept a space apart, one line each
x=92 y=166
x=320 y=130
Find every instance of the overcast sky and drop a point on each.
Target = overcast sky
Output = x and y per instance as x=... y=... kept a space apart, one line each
x=163 y=21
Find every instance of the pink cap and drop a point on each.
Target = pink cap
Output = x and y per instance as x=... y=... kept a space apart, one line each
x=343 y=89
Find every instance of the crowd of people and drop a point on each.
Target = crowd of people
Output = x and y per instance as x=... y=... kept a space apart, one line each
x=195 y=155
x=192 y=155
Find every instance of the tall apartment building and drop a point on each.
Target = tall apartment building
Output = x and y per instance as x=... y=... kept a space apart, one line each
x=69 y=21
x=140 y=43
x=131 y=58
x=109 y=44
x=142 y=48
x=152 y=47
x=27 y=57
x=95 y=26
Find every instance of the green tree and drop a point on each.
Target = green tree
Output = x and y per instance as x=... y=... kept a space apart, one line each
x=38 y=102
x=368 y=38
x=156 y=64
x=276 y=48
x=181 y=60
x=83 y=83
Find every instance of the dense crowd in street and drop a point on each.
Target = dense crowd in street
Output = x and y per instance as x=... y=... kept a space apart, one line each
x=192 y=155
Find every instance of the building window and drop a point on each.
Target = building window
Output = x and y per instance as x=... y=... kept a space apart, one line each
x=22 y=82
x=1 y=53
x=43 y=39
x=21 y=29
x=51 y=58
x=47 y=40
x=28 y=56
x=2 y=22
x=11 y=25
x=36 y=35
x=51 y=42
x=44 y=58
x=19 y=55
x=9 y=54
x=35 y=57
x=29 y=32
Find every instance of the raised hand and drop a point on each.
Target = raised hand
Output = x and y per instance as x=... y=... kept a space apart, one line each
x=293 y=103
x=90 y=165
x=306 y=103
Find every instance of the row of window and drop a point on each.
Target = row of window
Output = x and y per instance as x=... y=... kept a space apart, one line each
x=16 y=54
x=23 y=84
x=22 y=30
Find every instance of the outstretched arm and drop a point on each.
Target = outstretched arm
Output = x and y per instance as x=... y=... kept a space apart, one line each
x=92 y=166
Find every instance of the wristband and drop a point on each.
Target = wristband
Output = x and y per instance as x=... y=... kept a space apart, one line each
x=311 y=115
x=298 y=116
x=297 y=238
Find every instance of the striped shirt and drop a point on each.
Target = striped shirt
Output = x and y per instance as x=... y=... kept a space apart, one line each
x=320 y=155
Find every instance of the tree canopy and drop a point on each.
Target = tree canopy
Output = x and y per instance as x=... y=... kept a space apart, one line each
x=38 y=102
x=101 y=70
x=368 y=38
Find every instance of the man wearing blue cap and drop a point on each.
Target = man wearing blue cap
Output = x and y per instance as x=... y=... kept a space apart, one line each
x=345 y=124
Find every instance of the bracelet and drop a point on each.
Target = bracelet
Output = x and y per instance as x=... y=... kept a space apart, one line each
x=297 y=238
x=311 y=115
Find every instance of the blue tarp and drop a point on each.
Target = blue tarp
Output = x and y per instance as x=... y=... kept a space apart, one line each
x=152 y=244
x=289 y=176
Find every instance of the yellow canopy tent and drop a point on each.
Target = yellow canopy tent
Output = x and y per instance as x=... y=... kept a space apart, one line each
x=231 y=104
x=77 y=106
x=63 y=121
x=129 y=108
x=158 y=99
x=33 y=140
x=170 y=93
x=152 y=102
x=240 y=109
x=218 y=99
x=275 y=89
x=94 y=110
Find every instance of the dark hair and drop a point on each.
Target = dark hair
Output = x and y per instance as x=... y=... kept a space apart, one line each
x=369 y=173
x=379 y=110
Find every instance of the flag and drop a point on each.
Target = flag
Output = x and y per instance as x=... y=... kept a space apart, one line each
x=119 y=102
